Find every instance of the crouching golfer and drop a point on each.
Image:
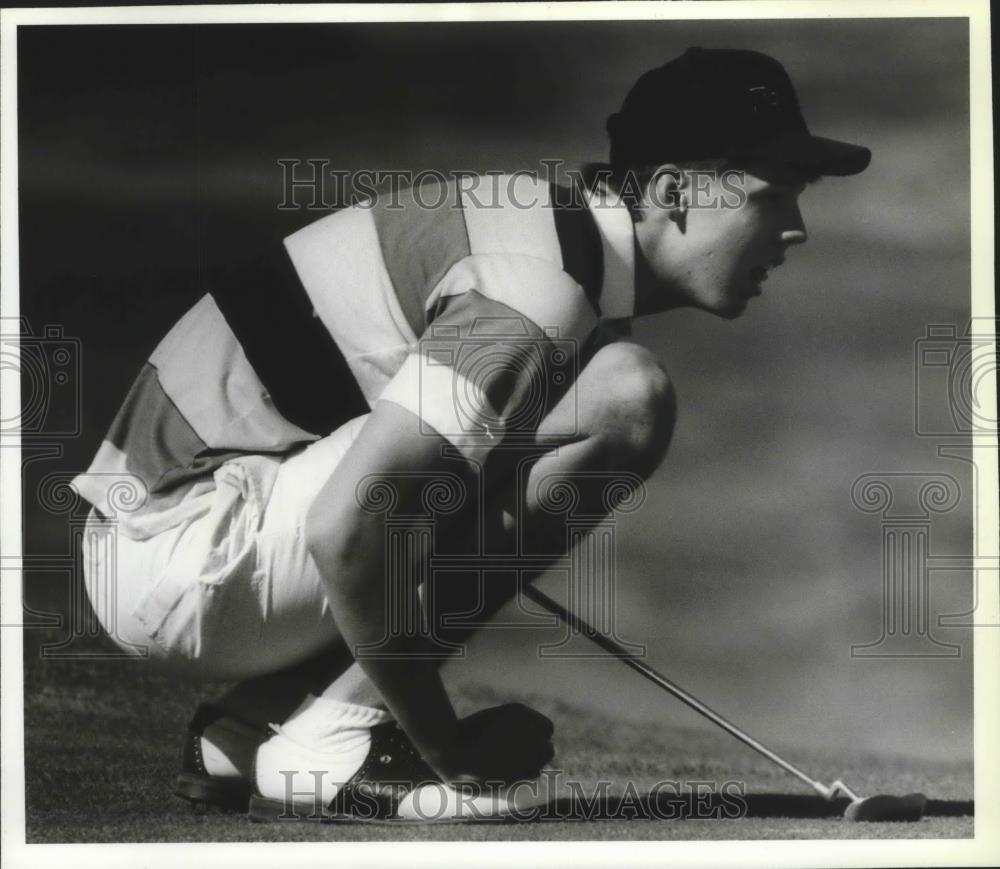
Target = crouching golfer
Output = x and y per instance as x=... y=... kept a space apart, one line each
x=350 y=355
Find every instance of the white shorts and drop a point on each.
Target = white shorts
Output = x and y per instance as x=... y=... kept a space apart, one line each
x=234 y=593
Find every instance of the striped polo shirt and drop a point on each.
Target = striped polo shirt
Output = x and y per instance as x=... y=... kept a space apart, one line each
x=470 y=303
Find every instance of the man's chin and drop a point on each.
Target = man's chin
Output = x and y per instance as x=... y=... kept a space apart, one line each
x=728 y=309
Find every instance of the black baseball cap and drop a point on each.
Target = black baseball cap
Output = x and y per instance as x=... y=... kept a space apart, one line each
x=711 y=103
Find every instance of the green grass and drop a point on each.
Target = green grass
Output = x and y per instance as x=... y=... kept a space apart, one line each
x=103 y=742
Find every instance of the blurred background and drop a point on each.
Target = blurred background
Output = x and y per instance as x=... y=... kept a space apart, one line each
x=148 y=153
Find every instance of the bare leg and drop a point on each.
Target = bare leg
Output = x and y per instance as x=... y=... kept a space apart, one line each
x=618 y=417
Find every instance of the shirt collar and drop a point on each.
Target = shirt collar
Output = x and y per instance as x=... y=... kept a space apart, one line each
x=614 y=223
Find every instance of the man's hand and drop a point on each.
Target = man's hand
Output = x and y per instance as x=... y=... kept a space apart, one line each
x=505 y=744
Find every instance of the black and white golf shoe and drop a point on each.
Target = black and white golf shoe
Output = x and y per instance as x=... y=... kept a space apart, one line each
x=203 y=789
x=393 y=785
x=391 y=769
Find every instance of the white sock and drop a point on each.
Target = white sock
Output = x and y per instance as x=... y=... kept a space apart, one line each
x=321 y=745
x=353 y=686
x=227 y=748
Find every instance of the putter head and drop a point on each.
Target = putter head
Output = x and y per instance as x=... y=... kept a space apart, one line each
x=883 y=807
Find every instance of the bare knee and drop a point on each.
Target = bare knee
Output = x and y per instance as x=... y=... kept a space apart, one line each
x=636 y=406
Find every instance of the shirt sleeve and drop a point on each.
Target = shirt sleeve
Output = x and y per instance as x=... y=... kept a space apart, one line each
x=504 y=343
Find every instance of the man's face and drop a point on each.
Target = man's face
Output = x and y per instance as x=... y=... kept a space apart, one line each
x=712 y=255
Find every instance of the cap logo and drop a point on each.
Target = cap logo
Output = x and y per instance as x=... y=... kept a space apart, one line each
x=764 y=99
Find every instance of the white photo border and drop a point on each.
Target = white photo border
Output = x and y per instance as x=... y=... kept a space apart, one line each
x=984 y=849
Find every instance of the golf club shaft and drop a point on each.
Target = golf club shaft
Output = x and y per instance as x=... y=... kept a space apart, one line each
x=640 y=666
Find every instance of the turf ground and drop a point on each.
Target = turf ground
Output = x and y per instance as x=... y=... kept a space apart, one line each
x=103 y=741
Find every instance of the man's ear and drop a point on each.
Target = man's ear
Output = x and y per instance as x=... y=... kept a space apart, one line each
x=667 y=194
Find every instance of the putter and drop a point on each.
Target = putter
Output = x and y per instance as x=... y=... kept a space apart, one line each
x=880 y=807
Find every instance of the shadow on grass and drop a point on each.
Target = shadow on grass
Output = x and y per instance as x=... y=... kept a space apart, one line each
x=678 y=807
